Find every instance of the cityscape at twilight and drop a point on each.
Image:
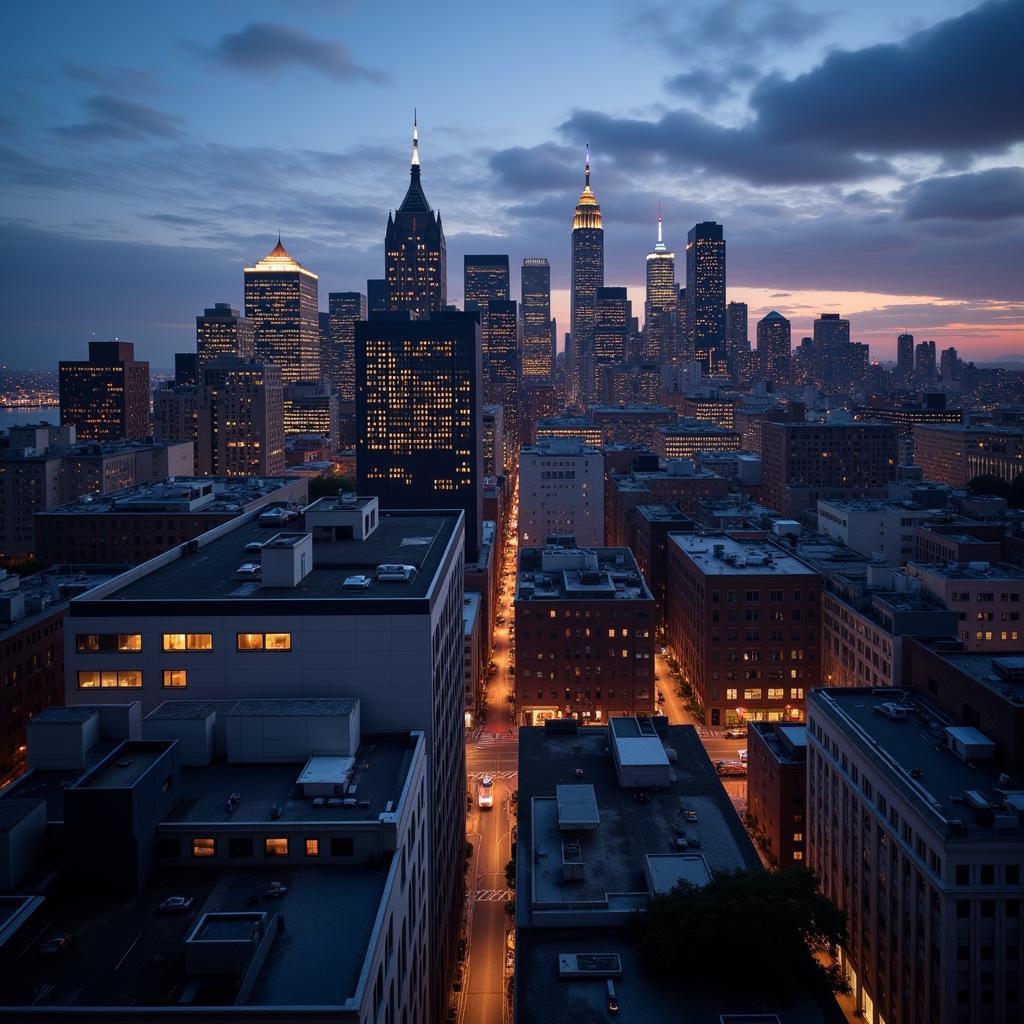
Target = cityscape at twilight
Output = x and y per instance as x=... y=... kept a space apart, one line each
x=511 y=516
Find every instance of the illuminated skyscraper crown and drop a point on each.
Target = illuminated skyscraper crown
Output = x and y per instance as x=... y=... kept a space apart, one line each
x=588 y=211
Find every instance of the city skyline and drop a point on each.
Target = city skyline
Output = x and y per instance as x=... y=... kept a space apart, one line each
x=143 y=203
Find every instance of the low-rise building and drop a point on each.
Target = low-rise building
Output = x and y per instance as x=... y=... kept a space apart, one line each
x=776 y=790
x=873 y=526
x=472 y=654
x=580 y=428
x=244 y=825
x=684 y=439
x=743 y=468
x=653 y=524
x=914 y=828
x=743 y=620
x=636 y=424
x=585 y=623
x=561 y=491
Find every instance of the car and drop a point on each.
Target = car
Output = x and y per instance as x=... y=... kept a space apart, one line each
x=690 y=815
x=743 y=754
x=173 y=904
x=248 y=571
x=55 y=944
x=275 y=890
x=731 y=767
x=613 y=999
x=737 y=732
x=254 y=545
x=661 y=697
x=485 y=793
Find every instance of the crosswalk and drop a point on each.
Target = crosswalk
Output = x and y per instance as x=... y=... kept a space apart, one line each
x=492 y=895
x=493 y=775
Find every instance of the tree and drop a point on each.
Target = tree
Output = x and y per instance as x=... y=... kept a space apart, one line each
x=986 y=483
x=752 y=930
x=328 y=486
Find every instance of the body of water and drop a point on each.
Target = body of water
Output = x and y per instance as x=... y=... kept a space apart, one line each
x=29 y=414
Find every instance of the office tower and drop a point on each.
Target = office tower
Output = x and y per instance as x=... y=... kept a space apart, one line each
x=737 y=342
x=415 y=261
x=904 y=359
x=807 y=461
x=222 y=331
x=587 y=277
x=538 y=348
x=914 y=831
x=376 y=295
x=176 y=415
x=344 y=310
x=954 y=453
x=484 y=278
x=684 y=347
x=831 y=330
x=501 y=366
x=418 y=414
x=494 y=440
x=561 y=492
x=186 y=369
x=705 y=293
x=323 y=333
x=660 y=302
x=758 y=673
x=949 y=365
x=281 y=301
x=394 y=643
x=106 y=397
x=924 y=363
x=311 y=408
x=773 y=347
x=240 y=419
x=613 y=312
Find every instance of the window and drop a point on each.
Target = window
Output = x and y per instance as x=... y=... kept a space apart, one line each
x=188 y=641
x=278 y=641
x=341 y=846
x=776 y=693
x=263 y=641
x=730 y=694
x=798 y=855
x=240 y=846
x=175 y=678
x=249 y=641
x=86 y=642
x=752 y=693
x=168 y=848
x=275 y=847
x=204 y=847
x=312 y=847
x=798 y=837
x=108 y=679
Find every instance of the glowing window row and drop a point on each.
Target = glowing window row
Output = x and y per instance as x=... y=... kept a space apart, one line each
x=128 y=679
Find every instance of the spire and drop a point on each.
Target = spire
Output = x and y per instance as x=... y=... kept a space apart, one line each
x=587 y=167
x=415 y=140
x=659 y=223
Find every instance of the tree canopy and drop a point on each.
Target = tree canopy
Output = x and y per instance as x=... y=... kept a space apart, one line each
x=751 y=930
x=989 y=484
x=328 y=486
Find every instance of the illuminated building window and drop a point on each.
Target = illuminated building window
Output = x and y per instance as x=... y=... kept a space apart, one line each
x=175 y=678
x=204 y=847
x=109 y=679
x=188 y=641
x=275 y=847
x=86 y=642
x=249 y=641
x=312 y=847
x=278 y=641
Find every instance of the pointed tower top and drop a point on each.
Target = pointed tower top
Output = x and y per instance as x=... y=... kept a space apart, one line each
x=586 y=168
x=659 y=223
x=415 y=140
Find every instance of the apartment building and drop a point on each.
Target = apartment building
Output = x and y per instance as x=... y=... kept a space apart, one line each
x=561 y=492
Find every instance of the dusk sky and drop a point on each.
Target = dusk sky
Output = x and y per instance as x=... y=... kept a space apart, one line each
x=865 y=158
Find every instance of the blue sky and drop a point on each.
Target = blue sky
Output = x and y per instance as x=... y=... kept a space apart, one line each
x=864 y=158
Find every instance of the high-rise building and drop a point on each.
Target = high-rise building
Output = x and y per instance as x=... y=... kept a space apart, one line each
x=773 y=347
x=418 y=414
x=240 y=419
x=376 y=295
x=561 y=492
x=501 y=366
x=660 y=303
x=186 y=368
x=538 y=349
x=484 y=278
x=904 y=359
x=222 y=331
x=924 y=362
x=311 y=408
x=949 y=365
x=415 y=261
x=737 y=342
x=281 y=301
x=106 y=397
x=705 y=292
x=831 y=329
x=587 y=277
x=613 y=312
x=344 y=310
x=176 y=413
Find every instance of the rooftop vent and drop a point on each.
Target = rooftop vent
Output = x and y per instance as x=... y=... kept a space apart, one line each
x=391 y=572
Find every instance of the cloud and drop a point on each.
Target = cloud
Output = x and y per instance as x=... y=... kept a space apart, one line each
x=954 y=87
x=710 y=85
x=115 y=118
x=112 y=79
x=547 y=167
x=267 y=47
x=996 y=194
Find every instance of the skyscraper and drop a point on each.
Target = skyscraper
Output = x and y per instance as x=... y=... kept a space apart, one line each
x=660 y=303
x=344 y=310
x=924 y=366
x=737 y=341
x=281 y=301
x=415 y=262
x=240 y=419
x=418 y=414
x=904 y=359
x=106 y=397
x=538 y=350
x=587 y=277
x=773 y=347
x=613 y=314
x=501 y=366
x=376 y=295
x=222 y=331
x=834 y=362
x=705 y=292
x=484 y=278
x=949 y=365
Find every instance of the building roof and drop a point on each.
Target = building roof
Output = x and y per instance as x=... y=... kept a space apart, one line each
x=47 y=592
x=976 y=571
x=277 y=261
x=573 y=574
x=721 y=555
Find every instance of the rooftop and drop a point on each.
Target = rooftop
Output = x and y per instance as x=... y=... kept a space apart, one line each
x=572 y=574
x=419 y=539
x=877 y=505
x=721 y=555
x=1001 y=673
x=969 y=571
x=912 y=753
x=42 y=593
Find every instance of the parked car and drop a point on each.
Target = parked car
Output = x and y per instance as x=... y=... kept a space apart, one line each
x=737 y=732
x=690 y=814
x=55 y=944
x=743 y=754
x=248 y=571
x=254 y=545
x=174 y=904
x=275 y=890
x=731 y=768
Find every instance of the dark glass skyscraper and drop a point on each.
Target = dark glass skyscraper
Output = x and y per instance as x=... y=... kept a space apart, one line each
x=904 y=359
x=538 y=351
x=376 y=295
x=222 y=331
x=614 y=313
x=705 y=293
x=774 y=341
x=484 y=278
x=344 y=310
x=418 y=414
x=660 y=304
x=501 y=366
x=106 y=397
x=415 y=262
x=281 y=301
x=587 y=277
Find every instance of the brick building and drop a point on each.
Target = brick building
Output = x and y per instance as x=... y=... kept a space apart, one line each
x=776 y=789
